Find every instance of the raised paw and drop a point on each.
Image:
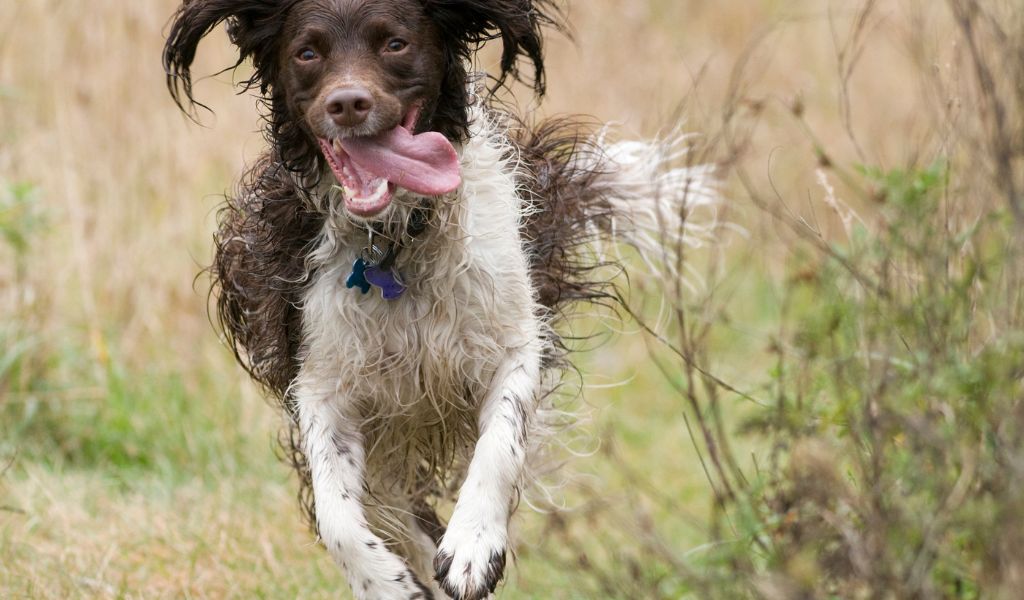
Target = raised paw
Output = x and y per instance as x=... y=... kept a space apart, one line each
x=471 y=571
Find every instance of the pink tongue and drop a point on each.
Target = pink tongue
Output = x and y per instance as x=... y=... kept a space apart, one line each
x=425 y=164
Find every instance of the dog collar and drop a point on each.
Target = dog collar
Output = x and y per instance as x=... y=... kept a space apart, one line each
x=375 y=266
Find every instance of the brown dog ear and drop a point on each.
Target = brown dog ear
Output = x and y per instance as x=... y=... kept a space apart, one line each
x=236 y=29
x=254 y=26
x=467 y=24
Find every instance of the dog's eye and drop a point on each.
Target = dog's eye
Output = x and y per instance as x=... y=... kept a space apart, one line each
x=396 y=45
x=307 y=54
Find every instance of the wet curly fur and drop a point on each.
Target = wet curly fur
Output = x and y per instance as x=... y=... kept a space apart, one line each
x=280 y=242
x=265 y=237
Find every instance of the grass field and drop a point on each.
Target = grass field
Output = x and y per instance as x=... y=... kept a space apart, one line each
x=137 y=460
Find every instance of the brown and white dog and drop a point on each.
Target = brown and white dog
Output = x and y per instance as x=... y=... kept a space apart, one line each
x=393 y=267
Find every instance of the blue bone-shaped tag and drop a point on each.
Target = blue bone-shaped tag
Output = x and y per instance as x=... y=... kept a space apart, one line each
x=390 y=287
x=358 y=277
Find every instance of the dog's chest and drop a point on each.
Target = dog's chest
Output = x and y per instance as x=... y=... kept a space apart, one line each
x=468 y=304
x=439 y=345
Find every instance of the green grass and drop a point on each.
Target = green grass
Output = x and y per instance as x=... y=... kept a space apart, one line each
x=159 y=489
x=127 y=476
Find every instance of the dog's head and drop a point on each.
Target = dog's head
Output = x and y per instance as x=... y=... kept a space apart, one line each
x=375 y=89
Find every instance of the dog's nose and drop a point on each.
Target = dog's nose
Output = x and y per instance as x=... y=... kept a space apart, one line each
x=349 y=107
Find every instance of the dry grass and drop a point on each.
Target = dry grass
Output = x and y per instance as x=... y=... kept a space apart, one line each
x=141 y=458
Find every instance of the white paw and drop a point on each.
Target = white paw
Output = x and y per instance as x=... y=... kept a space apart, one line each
x=471 y=561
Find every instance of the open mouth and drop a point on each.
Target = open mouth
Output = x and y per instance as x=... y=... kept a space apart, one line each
x=366 y=194
x=371 y=169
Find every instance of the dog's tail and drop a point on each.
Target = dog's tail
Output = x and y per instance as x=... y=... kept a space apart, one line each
x=592 y=209
x=588 y=197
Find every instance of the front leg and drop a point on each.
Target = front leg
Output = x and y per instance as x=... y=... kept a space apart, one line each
x=334 y=449
x=471 y=558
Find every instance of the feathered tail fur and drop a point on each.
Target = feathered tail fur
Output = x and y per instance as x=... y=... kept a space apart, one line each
x=585 y=200
x=587 y=196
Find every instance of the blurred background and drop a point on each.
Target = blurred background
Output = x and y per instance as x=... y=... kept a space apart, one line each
x=867 y=151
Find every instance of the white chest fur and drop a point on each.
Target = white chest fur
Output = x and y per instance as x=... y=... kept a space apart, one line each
x=415 y=370
x=393 y=396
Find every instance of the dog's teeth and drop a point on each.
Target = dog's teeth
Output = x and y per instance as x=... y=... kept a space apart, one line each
x=382 y=187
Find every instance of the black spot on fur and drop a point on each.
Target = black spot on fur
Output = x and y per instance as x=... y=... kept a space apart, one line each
x=519 y=422
x=495 y=571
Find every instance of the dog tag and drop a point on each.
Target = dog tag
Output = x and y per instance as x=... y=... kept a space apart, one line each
x=358 y=277
x=390 y=287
